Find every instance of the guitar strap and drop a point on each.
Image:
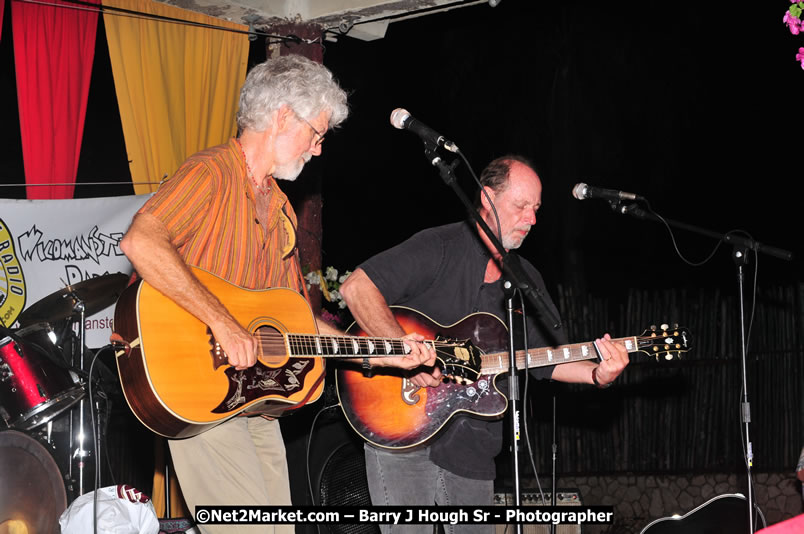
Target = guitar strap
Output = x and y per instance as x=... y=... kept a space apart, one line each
x=302 y=281
x=290 y=227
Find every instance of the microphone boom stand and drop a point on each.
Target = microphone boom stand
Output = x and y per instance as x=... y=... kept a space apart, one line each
x=510 y=262
x=740 y=257
x=517 y=278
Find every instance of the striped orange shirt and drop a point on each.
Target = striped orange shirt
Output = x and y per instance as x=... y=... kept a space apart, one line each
x=209 y=211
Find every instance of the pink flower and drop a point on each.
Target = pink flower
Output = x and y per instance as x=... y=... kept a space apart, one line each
x=792 y=22
x=330 y=317
x=800 y=56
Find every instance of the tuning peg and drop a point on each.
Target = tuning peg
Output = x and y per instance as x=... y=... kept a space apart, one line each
x=664 y=326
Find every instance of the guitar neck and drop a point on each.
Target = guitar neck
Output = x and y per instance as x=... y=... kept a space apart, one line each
x=314 y=345
x=498 y=362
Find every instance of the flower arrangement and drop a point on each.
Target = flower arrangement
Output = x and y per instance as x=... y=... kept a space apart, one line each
x=793 y=20
x=329 y=282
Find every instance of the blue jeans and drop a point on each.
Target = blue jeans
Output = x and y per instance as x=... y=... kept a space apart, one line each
x=410 y=479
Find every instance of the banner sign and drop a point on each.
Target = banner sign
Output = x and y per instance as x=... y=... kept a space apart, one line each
x=46 y=245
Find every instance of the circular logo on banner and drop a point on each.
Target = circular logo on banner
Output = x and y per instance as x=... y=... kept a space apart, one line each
x=12 y=281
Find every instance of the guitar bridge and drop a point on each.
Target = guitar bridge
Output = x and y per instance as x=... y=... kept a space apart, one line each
x=460 y=359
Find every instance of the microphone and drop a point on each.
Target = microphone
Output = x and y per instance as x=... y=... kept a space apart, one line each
x=402 y=119
x=582 y=192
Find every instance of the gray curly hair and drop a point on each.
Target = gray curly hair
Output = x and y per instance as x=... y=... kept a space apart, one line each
x=306 y=87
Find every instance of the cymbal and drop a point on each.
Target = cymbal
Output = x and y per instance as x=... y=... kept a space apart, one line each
x=96 y=293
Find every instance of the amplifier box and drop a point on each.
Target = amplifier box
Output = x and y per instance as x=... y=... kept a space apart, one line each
x=531 y=497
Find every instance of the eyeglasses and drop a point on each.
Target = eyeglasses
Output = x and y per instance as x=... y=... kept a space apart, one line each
x=319 y=134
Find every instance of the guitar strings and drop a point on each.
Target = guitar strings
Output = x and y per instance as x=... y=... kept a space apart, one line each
x=274 y=343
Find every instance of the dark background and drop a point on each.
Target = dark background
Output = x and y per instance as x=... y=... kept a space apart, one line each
x=689 y=107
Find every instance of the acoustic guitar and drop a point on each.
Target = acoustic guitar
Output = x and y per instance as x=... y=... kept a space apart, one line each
x=176 y=378
x=389 y=411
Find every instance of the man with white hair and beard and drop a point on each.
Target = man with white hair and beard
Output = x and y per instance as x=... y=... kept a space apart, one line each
x=224 y=212
x=447 y=273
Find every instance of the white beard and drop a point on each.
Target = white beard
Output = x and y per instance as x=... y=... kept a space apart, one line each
x=291 y=171
x=514 y=242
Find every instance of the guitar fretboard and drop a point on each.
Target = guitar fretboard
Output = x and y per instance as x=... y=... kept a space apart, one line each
x=499 y=362
x=309 y=345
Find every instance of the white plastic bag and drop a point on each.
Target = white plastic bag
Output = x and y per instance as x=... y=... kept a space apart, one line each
x=121 y=509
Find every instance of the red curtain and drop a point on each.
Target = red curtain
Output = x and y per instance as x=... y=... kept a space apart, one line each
x=54 y=46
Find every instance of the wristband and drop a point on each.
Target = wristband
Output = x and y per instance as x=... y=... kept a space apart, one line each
x=594 y=379
x=366 y=365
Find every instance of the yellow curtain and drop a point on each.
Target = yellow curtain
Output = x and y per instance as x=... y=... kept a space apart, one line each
x=177 y=88
x=177 y=85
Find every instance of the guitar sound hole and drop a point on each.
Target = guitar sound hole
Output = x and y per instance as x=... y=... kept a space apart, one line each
x=271 y=345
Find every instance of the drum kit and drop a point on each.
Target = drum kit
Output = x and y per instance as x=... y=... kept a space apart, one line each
x=47 y=436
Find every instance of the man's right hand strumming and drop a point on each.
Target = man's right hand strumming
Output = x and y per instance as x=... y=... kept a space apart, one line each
x=238 y=344
x=428 y=378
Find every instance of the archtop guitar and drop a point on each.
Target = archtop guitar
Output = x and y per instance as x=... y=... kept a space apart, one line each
x=389 y=411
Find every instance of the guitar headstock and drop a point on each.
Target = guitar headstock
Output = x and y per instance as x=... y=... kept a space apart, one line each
x=665 y=342
x=460 y=360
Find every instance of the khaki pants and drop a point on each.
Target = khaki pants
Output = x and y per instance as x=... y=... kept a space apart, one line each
x=240 y=462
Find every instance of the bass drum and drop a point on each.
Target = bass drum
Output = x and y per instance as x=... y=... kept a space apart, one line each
x=32 y=494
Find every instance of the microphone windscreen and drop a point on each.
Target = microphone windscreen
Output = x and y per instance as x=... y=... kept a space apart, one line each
x=579 y=191
x=398 y=118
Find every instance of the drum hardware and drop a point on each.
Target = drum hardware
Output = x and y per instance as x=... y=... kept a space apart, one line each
x=59 y=437
x=38 y=381
x=86 y=431
x=78 y=430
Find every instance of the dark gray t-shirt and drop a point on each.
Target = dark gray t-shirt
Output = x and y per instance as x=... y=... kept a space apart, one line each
x=440 y=273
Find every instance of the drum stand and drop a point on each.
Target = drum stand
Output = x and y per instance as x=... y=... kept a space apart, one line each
x=77 y=446
x=79 y=451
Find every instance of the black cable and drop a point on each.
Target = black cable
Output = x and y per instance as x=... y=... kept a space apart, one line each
x=96 y=435
x=95 y=444
x=106 y=442
x=673 y=239
x=484 y=193
x=307 y=456
x=525 y=396
x=746 y=342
